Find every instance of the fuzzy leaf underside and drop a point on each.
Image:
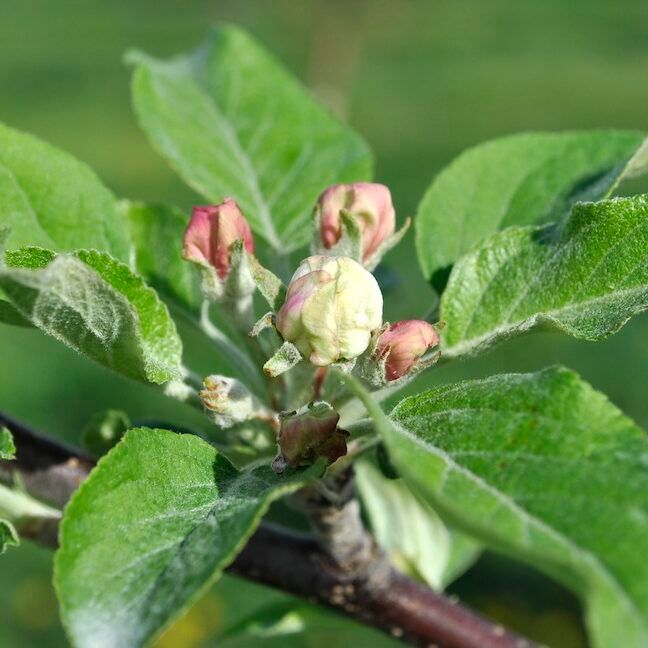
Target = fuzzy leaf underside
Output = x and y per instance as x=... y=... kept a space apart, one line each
x=585 y=277
x=97 y=306
x=416 y=539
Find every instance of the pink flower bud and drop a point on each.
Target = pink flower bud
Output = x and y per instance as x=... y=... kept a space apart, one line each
x=368 y=203
x=311 y=433
x=211 y=232
x=403 y=343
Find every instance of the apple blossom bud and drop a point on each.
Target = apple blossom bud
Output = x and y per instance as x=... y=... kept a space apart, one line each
x=311 y=433
x=212 y=231
x=229 y=402
x=402 y=344
x=332 y=307
x=369 y=204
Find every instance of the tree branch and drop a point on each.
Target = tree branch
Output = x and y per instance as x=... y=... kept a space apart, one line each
x=380 y=597
x=50 y=470
x=354 y=578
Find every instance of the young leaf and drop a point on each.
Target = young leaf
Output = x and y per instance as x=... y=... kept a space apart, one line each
x=150 y=530
x=156 y=233
x=7 y=446
x=417 y=540
x=22 y=513
x=585 y=278
x=232 y=121
x=543 y=467
x=8 y=536
x=52 y=200
x=94 y=304
x=523 y=179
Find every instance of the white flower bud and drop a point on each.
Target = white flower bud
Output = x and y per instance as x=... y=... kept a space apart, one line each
x=332 y=307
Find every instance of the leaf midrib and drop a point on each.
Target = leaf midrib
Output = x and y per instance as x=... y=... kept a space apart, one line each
x=264 y=499
x=243 y=158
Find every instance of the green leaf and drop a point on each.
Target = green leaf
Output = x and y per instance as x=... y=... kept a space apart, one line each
x=585 y=278
x=156 y=233
x=9 y=315
x=20 y=512
x=543 y=467
x=49 y=199
x=97 y=306
x=417 y=540
x=7 y=446
x=232 y=121
x=523 y=179
x=8 y=536
x=150 y=530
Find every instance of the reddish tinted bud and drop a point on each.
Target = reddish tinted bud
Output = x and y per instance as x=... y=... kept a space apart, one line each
x=312 y=433
x=369 y=204
x=403 y=343
x=211 y=232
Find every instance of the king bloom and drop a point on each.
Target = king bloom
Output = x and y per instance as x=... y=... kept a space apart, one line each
x=332 y=307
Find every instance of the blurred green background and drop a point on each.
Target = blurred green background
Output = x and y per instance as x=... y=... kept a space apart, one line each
x=421 y=80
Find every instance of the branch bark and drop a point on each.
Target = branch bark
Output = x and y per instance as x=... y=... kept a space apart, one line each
x=345 y=571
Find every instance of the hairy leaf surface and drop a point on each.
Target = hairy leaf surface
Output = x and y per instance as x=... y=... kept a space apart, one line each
x=151 y=528
x=545 y=468
x=8 y=534
x=96 y=305
x=523 y=179
x=233 y=122
x=585 y=277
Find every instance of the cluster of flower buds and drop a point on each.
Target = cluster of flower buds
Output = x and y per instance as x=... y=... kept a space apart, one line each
x=332 y=311
x=215 y=240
